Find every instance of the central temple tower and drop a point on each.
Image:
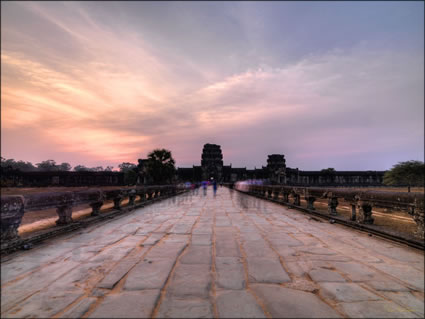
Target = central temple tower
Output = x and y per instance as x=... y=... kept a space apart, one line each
x=276 y=167
x=212 y=162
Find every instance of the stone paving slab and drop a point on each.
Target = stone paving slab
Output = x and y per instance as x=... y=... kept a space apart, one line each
x=149 y=274
x=267 y=270
x=229 y=273
x=191 y=280
x=347 y=292
x=290 y=303
x=138 y=304
x=178 y=308
x=203 y=256
x=238 y=304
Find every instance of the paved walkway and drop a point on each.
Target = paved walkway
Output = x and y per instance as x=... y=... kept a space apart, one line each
x=226 y=256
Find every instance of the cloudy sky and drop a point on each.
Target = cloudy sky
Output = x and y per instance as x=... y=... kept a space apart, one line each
x=328 y=84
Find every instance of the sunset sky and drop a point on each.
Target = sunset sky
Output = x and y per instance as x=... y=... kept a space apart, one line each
x=328 y=84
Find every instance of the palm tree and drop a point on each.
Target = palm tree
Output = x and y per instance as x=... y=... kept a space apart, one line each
x=160 y=166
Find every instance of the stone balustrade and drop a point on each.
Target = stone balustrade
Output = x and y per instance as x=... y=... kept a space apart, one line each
x=361 y=202
x=13 y=207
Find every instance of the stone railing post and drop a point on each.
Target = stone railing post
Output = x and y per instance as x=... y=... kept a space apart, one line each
x=366 y=209
x=332 y=205
x=297 y=201
x=259 y=191
x=142 y=194
x=310 y=202
x=96 y=208
x=12 y=211
x=417 y=212
x=65 y=215
x=117 y=201
x=276 y=194
x=285 y=197
x=131 y=197
x=269 y=192
x=353 y=216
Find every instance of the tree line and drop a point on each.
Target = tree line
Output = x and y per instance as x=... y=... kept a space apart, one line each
x=158 y=168
x=48 y=166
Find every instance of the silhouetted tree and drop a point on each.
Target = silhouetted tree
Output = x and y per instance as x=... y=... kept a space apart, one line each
x=160 y=166
x=81 y=168
x=125 y=166
x=64 y=167
x=329 y=170
x=130 y=172
x=17 y=165
x=410 y=173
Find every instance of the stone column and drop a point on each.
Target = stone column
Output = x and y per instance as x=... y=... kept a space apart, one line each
x=332 y=205
x=367 y=213
x=96 y=208
x=12 y=211
x=65 y=215
x=310 y=202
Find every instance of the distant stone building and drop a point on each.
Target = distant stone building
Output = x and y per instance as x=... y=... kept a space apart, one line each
x=212 y=162
x=275 y=172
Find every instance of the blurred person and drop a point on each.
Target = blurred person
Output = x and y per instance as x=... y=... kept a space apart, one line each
x=215 y=187
x=204 y=187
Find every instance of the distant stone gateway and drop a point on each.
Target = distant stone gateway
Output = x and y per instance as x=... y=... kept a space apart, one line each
x=275 y=172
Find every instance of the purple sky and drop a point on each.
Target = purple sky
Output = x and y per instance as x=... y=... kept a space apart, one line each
x=328 y=84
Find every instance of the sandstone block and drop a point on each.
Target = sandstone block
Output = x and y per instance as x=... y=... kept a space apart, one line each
x=238 y=304
x=230 y=273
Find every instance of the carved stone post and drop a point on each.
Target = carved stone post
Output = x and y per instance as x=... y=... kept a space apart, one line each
x=332 y=205
x=353 y=212
x=117 y=202
x=310 y=202
x=65 y=215
x=297 y=201
x=367 y=213
x=418 y=217
x=131 y=197
x=12 y=211
x=418 y=213
x=96 y=208
x=270 y=193
x=276 y=194
x=285 y=197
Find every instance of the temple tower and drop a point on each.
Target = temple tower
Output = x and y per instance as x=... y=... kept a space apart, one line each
x=276 y=167
x=212 y=162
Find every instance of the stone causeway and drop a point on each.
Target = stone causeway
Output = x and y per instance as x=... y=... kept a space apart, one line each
x=224 y=256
